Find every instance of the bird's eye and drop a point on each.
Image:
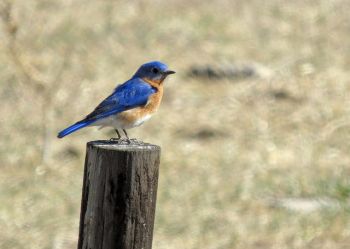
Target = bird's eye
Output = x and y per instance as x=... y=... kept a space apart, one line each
x=155 y=70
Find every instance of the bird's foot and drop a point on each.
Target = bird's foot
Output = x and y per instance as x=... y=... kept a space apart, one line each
x=126 y=141
x=115 y=139
x=119 y=141
x=134 y=141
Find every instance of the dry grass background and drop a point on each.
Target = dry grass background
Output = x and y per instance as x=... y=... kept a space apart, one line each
x=245 y=164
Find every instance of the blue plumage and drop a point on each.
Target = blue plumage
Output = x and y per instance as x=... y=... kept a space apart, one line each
x=73 y=128
x=133 y=93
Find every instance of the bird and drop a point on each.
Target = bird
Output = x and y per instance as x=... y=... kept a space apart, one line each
x=130 y=104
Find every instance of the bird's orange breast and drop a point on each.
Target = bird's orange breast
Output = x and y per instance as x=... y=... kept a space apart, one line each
x=133 y=116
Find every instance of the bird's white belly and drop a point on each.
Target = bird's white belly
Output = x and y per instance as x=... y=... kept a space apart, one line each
x=141 y=120
x=118 y=122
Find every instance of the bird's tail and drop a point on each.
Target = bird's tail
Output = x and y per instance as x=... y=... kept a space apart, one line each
x=74 y=127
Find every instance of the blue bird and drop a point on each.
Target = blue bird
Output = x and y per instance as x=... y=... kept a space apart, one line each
x=131 y=103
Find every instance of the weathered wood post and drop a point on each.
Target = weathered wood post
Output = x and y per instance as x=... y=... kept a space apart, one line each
x=119 y=196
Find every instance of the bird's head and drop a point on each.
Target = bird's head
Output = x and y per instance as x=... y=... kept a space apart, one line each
x=154 y=72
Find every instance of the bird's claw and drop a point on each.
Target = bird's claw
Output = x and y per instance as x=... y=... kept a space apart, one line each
x=135 y=141
x=126 y=141
x=114 y=139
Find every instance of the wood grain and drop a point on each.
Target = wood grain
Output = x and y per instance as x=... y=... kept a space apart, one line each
x=119 y=196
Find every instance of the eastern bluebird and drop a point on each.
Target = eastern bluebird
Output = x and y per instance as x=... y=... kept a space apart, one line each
x=131 y=104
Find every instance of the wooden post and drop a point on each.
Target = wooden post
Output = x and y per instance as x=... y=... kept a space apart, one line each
x=119 y=196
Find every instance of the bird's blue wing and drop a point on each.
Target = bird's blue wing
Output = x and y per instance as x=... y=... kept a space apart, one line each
x=131 y=94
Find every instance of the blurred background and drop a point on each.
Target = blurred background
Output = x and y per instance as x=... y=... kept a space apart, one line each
x=254 y=127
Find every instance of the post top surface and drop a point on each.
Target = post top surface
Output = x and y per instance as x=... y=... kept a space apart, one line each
x=123 y=145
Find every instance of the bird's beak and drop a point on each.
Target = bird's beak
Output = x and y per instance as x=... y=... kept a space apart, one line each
x=169 y=72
